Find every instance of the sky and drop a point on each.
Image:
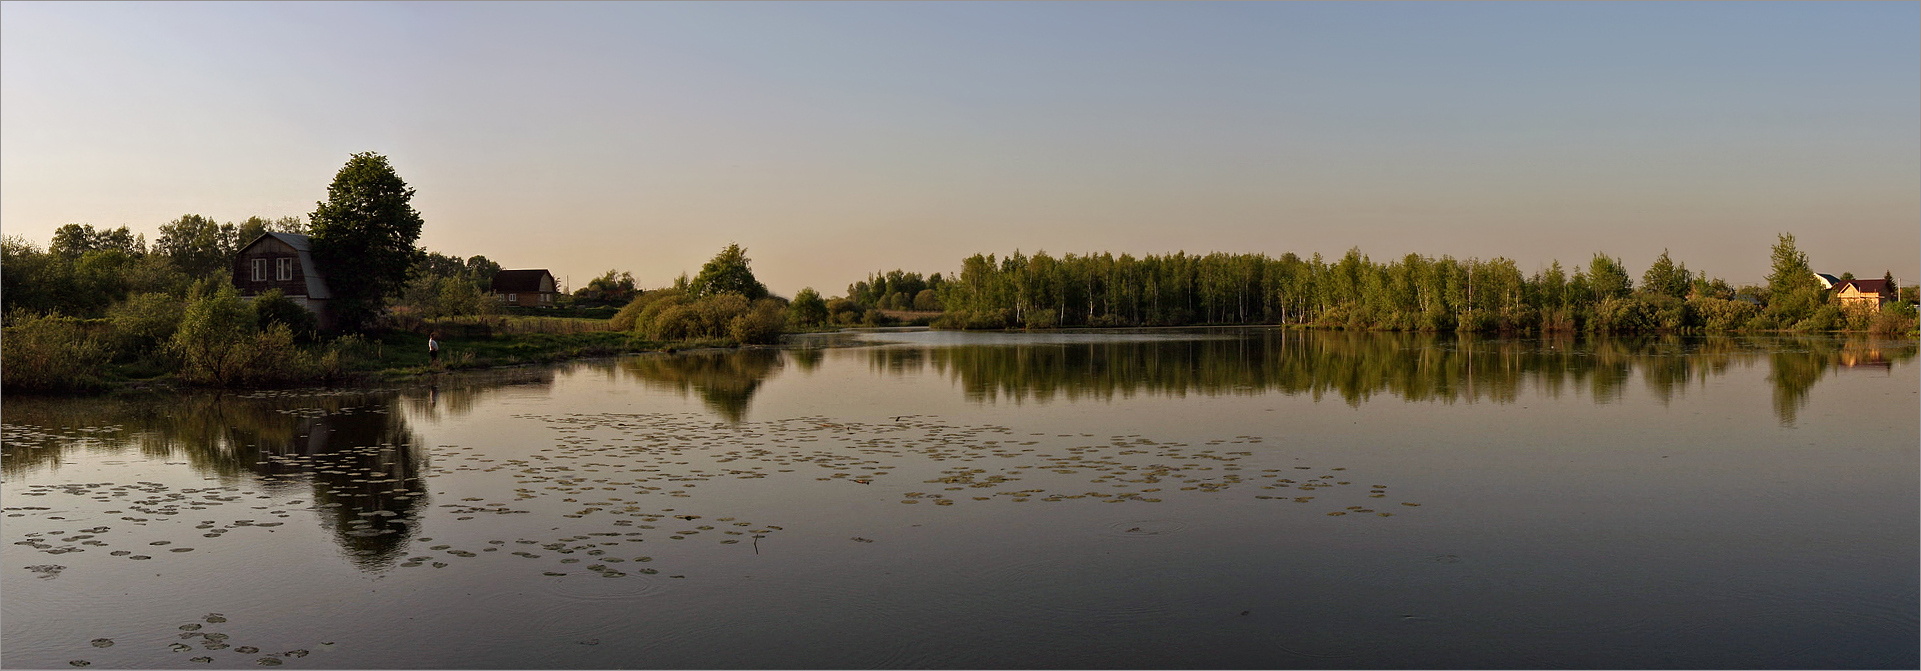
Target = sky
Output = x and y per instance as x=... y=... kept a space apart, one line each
x=832 y=140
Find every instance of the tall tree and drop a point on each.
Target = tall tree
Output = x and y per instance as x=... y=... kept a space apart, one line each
x=1666 y=278
x=363 y=237
x=728 y=272
x=1607 y=277
x=196 y=244
x=1793 y=291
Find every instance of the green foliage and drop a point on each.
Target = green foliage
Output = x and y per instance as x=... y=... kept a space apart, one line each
x=273 y=307
x=807 y=309
x=145 y=322
x=198 y=245
x=439 y=297
x=727 y=272
x=74 y=240
x=214 y=342
x=1667 y=278
x=928 y=299
x=1824 y=317
x=52 y=353
x=1717 y=314
x=364 y=234
x=761 y=325
x=611 y=288
x=1607 y=277
x=1794 y=294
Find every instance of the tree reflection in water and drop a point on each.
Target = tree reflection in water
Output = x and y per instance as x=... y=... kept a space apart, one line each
x=724 y=381
x=353 y=451
x=1356 y=366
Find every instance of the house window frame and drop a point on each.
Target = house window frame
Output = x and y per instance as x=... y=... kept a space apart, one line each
x=513 y=298
x=259 y=270
x=283 y=268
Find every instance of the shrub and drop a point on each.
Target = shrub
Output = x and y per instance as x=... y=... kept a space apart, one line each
x=1827 y=317
x=759 y=326
x=274 y=307
x=1717 y=314
x=1042 y=319
x=926 y=301
x=52 y=353
x=807 y=309
x=1615 y=315
x=145 y=323
x=1893 y=319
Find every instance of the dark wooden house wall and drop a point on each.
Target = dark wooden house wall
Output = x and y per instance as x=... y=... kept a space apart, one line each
x=271 y=250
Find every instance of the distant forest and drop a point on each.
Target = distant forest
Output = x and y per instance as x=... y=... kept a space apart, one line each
x=1412 y=293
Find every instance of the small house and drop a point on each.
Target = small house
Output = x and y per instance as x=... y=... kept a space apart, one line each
x=283 y=261
x=1863 y=293
x=525 y=288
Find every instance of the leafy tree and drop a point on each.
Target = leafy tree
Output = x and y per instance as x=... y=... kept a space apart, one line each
x=1793 y=291
x=198 y=245
x=611 y=288
x=215 y=336
x=727 y=272
x=807 y=309
x=363 y=236
x=1666 y=278
x=74 y=240
x=1607 y=278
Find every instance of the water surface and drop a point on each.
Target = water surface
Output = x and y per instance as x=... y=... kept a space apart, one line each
x=1170 y=498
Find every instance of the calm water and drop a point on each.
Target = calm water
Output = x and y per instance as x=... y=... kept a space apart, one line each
x=1168 y=499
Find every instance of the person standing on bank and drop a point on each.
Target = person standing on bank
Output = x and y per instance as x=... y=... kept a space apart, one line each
x=433 y=348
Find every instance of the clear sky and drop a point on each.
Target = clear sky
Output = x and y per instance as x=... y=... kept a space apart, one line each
x=834 y=139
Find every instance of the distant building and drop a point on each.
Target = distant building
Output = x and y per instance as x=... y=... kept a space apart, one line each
x=1827 y=281
x=283 y=261
x=525 y=288
x=1863 y=293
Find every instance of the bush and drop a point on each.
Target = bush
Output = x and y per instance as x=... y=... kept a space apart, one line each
x=1894 y=319
x=1042 y=319
x=1717 y=314
x=274 y=307
x=1618 y=315
x=52 y=353
x=144 y=323
x=1825 y=318
x=761 y=325
x=807 y=309
x=926 y=301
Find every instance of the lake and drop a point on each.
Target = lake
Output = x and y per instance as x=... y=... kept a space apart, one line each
x=1211 y=498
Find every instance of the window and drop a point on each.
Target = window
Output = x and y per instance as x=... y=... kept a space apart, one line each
x=546 y=298
x=513 y=298
x=259 y=270
x=283 y=268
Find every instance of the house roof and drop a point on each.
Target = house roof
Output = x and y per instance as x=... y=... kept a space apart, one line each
x=303 y=247
x=1827 y=281
x=521 y=281
x=1874 y=286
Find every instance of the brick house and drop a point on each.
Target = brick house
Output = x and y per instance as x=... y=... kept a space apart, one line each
x=525 y=288
x=283 y=261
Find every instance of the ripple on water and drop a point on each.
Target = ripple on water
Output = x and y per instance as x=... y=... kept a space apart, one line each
x=1144 y=528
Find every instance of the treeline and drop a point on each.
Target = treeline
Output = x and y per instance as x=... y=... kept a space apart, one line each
x=1412 y=293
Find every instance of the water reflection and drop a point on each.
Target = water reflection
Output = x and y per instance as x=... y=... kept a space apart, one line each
x=354 y=454
x=1357 y=366
x=724 y=381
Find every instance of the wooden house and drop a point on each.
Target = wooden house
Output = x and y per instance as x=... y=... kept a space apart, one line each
x=525 y=288
x=1869 y=294
x=283 y=261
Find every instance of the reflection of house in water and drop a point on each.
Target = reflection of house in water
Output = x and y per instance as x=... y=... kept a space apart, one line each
x=1863 y=356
